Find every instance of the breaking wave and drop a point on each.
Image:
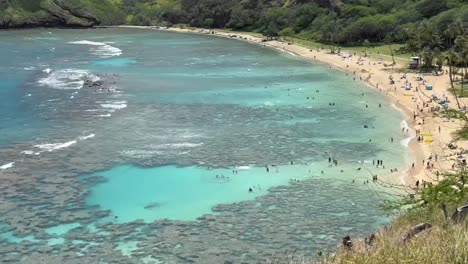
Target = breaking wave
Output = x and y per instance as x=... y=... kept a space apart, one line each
x=101 y=49
x=114 y=105
x=49 y=147
x=7 y=166
x=177 y=145
x=68 y=79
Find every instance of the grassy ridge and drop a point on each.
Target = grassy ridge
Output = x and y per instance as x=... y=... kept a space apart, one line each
x=444 y=242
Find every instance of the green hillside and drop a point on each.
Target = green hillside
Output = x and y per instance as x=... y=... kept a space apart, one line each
x=340 y=21
x=73 y=13
x=326 y=21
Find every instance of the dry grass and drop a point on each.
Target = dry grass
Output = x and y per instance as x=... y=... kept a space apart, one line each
x=444 y=243
x=441 y=244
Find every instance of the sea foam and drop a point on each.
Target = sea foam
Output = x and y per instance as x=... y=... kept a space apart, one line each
x=68 y=79
x=86 y=137
x=177 y=145
x=7 y=166
x=55 y=146
x=49 y=147
x=405 y=142
x=115 y=105
x=101 y=49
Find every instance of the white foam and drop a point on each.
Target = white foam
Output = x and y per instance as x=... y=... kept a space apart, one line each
x=177 y=145
x=189 y=135
x=115 y=105
x=49 y=147
x=285 y=51
x=30 y=68
x=7 y=166
x=68 y=79
x=55 y=146
x=243 y=167
x=48 y=70
x=106 y=115
x=86 y=137
x=405 y=142
x=404 y=124
x=27 y=152
x=186 y=145
x=102 y=49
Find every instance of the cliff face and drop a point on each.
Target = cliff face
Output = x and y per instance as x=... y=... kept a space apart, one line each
x=69 y=13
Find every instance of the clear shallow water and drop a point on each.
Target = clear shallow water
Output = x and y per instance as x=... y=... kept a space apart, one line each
x=170 y=192
x=182 y=109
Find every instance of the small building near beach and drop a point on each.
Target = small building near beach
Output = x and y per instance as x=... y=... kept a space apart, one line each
x=414 y=64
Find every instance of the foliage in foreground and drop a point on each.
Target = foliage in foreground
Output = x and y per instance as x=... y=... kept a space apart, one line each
x=445 y=242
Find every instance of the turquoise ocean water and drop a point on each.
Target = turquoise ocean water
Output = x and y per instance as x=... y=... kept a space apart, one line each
x=165 y=151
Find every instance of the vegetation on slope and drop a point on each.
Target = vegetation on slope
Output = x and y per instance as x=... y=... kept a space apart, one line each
x=440 y=213
x=446 y=241
x=77 y=13
x=340 y=21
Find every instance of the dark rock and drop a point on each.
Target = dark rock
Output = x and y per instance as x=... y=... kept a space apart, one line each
x=347 y=243
x=460 y=214
x=416 y=230
x=369 y=240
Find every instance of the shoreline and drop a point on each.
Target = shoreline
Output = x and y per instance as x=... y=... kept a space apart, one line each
x=372 y=72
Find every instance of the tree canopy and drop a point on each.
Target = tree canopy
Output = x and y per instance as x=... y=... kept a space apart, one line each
x=351 y=21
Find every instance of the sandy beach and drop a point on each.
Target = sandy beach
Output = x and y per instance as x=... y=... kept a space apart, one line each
x=431 y=154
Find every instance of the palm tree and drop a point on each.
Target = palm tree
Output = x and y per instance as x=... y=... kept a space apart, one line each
x=366 y=45
x=451 y=58
x=461 y=44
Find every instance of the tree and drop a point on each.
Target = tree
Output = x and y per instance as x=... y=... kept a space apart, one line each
x=366 y=45
x=425 y=41
x=271 y=31
x=388 y=41
x=286 y=32
x=461 y=43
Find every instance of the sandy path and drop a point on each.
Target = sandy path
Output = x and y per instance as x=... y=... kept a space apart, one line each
x=410 y=102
